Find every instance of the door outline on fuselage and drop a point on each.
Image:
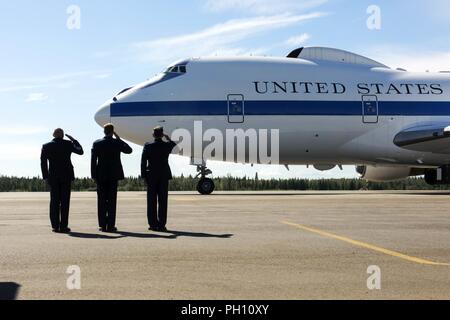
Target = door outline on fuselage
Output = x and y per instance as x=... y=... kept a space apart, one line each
x=236 y=108
x=370 y=109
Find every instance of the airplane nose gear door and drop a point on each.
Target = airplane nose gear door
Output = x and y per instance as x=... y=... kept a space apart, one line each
x=236 y=108
x=370 y=109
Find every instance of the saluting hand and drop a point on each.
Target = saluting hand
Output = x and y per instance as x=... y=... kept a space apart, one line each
x=116 y=135
x=70 y=137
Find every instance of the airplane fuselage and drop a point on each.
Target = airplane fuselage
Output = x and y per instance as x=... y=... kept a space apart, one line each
x=326 y=112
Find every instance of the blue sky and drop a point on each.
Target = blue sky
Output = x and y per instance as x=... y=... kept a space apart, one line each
x=51 y=76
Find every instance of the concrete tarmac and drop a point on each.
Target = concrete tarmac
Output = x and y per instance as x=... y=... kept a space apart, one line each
x=274 y=245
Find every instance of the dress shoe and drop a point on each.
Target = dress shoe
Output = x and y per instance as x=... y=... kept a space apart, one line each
x=102 y=229
x=55 y=230
x=112 y=229
x=65 y=230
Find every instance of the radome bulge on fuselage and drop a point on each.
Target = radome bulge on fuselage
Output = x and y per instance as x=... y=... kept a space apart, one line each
x=330 y=107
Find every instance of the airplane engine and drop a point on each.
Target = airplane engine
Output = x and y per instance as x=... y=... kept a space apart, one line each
x=382 y=174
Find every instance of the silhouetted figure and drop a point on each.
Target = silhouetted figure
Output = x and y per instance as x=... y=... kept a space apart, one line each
x=57 y=170
x=156 y=171
x=107 y=170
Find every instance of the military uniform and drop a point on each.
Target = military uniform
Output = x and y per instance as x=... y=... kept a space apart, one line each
x=156 y=171
x=107 y=170
x=57 y=170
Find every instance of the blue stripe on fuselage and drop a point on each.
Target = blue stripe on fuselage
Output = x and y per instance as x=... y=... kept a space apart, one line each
x=253 y=108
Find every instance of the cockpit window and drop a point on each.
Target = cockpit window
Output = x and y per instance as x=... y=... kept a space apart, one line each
x=176 y=69
x=170 y=73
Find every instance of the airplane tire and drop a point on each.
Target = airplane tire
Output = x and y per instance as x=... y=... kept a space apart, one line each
x=205 y=186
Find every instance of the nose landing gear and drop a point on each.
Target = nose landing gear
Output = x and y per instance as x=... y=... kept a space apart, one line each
x=205 y=185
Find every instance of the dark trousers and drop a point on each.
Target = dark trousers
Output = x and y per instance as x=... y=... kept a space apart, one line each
x=157 y=196
x=107 y=203
x=59 y=203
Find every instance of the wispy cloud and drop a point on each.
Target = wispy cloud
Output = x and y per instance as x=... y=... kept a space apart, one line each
x=37 y=97
x=224 y=37
x=58 y=81
x=103 y=75
x=21 y=130
x=13 y=88
x=298 y=40
x=412 y=60
x=262 y=6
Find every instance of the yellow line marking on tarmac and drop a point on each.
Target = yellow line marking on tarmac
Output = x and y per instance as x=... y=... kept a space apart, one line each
x=366 y=245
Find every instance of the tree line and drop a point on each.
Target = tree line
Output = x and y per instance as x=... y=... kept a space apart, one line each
x=16 y=184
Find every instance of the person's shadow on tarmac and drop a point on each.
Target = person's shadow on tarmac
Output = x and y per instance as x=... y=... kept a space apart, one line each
x=166 y=235
x=9 y=290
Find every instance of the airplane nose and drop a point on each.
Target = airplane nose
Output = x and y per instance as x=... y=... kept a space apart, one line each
x=103 y=115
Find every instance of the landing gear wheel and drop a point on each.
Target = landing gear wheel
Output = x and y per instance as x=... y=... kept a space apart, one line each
x=205 y=186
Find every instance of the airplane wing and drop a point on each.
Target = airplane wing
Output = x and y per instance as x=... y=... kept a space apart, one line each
x=431 y=137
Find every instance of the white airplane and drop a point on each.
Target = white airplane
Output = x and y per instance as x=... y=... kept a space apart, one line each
x=331 y=107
